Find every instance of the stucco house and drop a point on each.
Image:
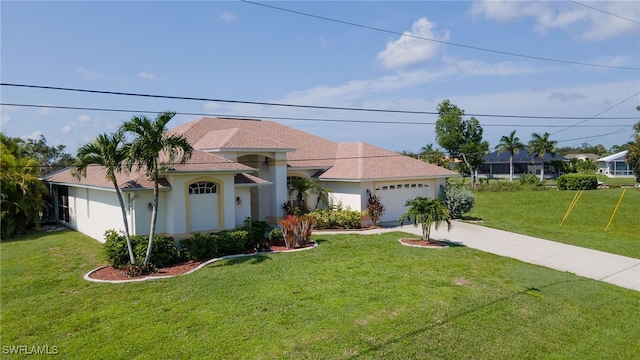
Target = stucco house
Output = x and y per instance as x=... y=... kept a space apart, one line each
x=240 y=169
x=614 y=165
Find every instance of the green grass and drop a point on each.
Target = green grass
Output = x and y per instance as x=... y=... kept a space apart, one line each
x=353 y=297
x=539 y=213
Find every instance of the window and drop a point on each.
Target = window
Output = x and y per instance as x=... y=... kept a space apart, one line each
x=203 y=187
x=63 y=203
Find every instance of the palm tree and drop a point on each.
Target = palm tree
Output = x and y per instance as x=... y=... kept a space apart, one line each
x=149 y=143
x=541 y=145
x=426 y=211
x=511 y=144
x=110 y=152
x=301 y=186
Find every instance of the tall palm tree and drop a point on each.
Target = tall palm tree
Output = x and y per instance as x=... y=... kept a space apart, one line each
x=512 y=144
x=426 y=211
x=541 y=145
x=150 y=142
x=108 y=151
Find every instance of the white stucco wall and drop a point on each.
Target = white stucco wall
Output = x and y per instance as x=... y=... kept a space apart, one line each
x=243 y=209
x=94 y=211
x=350 y=194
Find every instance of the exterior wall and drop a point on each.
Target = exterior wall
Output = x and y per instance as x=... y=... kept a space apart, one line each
x=349 y=194
x=394 y=194
x=94 y=211
x=242 y=204
x=140 y=211
x=278 y=189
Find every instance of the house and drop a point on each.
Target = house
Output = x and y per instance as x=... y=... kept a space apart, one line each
x=240 y=168
x=614 y=165
x=497 y=165
x=582 y=157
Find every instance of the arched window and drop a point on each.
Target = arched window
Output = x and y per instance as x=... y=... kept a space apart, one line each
x=203 y=187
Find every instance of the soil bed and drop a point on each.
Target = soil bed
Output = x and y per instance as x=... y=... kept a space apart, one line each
x=109 y=273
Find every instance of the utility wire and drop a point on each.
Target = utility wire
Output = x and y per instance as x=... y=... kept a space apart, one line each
x=256 y=117
x=440 y=41
x=605 y=12
x=600 y=113
x=415 y=112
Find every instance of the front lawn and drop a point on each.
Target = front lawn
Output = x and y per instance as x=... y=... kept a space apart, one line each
x=354 y=296
x=539 y=213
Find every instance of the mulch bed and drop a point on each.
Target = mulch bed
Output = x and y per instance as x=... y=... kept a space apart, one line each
x=109 y=273
x=423 y=243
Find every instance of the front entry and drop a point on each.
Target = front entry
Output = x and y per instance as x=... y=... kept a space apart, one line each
x=203 y=206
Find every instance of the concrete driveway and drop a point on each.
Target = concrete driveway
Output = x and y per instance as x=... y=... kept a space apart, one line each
x=614 y=269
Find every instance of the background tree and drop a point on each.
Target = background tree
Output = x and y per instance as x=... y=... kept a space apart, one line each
x=426 y=211
x=108 y=151
x=434 y=156
x=150 y=142
x=50 y=158
x=461 y=138
x=510 y=143
x=633 y=156
x=22 y=193
x=540 y=145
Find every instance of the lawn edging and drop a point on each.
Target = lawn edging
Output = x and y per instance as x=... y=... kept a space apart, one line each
x=87 y=276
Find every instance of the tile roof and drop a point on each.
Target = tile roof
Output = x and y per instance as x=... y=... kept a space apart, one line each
x=358 y=160
x=344 y=161
x=137 y=179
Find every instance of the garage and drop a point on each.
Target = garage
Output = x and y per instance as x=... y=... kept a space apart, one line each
x=394 y=196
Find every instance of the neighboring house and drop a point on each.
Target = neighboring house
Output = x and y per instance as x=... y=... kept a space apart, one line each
x=614 y=165
x=497 y=165
x=240 y=169
x=583 y=157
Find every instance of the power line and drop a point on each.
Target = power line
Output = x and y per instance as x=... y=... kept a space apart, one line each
x=413 y=112
x=600 y=113
x=440 y=41
x=604 y=12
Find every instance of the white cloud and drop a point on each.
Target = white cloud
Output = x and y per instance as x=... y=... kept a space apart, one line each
x=66 y=129
x=84 y=118
x=88 y=74
x=149 y=76
x=4 y=118
x=44 y=110
x=34 y=135
x=565 y=97
x=212 y=106
x=588 y=24
x=228 y=16
x=412 y=48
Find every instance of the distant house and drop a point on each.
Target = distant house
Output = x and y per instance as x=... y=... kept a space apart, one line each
x=497 y=165
x=614 y=165
x=240 y=168
x=583 y=157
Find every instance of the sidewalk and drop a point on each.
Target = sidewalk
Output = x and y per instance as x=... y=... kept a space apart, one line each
x=614 y=269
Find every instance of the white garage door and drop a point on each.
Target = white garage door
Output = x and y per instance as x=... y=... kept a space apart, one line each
x=203 y=206
x=394 y=195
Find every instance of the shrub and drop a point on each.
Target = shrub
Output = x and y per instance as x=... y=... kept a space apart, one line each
x=375 y=208
x=297 y=230
x=336 y=217
x=499 y=186
x=530 y=179
x=458 y=200
x=208 y=246
x=163 y=253
x=577 y=182
x=257 y=230
x=275 y=235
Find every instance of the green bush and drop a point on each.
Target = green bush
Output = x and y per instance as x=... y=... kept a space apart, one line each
x=336 y=217
x=163 y=253
x=530 y=179
x=577 y=182
x=208 y=246
x=257 y=231
x=458 y=200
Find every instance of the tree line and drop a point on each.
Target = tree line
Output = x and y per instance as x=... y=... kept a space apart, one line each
x=461 y=139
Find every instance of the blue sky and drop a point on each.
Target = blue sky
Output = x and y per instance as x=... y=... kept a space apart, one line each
x=236 y=50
